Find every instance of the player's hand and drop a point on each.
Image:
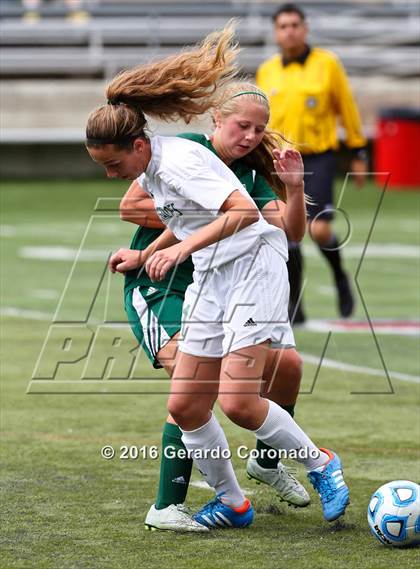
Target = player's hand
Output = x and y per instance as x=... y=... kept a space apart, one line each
x=160 y=262
x=289 y=166
x=125 y=260
x=359 y=170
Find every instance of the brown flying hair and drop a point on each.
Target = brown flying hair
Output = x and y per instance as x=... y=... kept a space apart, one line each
x=180 y=86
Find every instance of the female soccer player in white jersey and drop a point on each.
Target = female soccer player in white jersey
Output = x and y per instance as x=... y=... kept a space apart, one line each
x=237 y=304
x=155 y=309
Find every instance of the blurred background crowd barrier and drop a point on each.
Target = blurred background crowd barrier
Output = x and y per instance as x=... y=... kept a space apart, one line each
x=56 y=57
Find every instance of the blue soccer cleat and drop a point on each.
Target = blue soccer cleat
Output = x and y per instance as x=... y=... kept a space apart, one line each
x=330 y=485
x=215 y=514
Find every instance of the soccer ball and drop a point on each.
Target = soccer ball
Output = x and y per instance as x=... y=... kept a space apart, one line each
x=394 y=513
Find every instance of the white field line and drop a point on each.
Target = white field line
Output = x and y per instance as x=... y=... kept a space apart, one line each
x=380 y=251
x=202 y=485
x=53 y=229
x=326 y=290
x=61 y=253
x=8 y=231
x=397 y=328
x=23 y=313
x=334 y=364
x=45 y=294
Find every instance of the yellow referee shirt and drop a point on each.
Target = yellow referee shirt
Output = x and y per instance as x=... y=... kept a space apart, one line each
x=307 y=98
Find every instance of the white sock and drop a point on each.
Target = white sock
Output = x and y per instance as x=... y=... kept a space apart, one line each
x=280 y=431
x=218 y=472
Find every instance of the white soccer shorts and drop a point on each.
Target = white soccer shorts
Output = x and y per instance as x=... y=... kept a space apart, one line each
x=242 y=303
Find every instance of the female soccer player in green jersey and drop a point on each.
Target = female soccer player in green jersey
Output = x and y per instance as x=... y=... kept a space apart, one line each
x=236 y=306
x=155 y=309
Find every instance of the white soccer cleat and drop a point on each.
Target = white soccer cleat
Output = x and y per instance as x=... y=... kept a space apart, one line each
x=173 y=518
x=287 y=487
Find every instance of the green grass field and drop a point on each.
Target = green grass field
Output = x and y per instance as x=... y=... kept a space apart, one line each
x=65 y=506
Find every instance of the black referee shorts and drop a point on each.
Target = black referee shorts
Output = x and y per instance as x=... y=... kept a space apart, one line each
x=319 y=180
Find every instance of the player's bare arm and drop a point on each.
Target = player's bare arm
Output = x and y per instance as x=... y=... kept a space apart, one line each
x=138 y=207
x=125 y=260
x=129 y=259
x=289 y=167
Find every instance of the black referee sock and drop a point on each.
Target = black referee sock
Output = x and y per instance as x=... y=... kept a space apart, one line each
x=333 y=256
x=295 y=270
x=346 y=302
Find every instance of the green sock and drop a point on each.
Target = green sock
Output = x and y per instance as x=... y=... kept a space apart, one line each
x=175 y=472
x=268 y=457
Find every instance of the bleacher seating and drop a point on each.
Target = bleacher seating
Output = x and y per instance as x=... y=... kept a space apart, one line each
x=380 y=37
x=53 y=67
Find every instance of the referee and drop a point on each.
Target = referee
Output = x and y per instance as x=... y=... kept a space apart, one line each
x=308 y=91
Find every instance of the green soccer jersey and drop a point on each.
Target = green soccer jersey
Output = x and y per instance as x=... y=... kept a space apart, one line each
x=180 y=276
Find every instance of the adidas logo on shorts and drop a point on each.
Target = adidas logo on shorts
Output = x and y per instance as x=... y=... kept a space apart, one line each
x=250 y=322
x=151 y=290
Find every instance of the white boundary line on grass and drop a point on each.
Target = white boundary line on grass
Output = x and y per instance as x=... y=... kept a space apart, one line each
x=14 y=312
x=202 y=485
x=378 y=251
x=65 y=253
x=385 y=326
x=334 y=364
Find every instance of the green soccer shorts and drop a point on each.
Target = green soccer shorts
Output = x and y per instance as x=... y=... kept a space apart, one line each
x=154 y=316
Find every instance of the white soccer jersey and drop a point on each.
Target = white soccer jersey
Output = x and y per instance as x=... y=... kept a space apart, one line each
x=189 y=184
